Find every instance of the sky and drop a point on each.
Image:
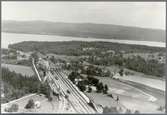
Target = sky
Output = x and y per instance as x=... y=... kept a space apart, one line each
x=140 y=14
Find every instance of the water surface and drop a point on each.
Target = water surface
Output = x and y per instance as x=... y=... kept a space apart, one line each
x=10 y=38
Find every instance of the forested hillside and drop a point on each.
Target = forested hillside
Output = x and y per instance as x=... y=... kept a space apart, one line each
x=86 y=30
x=76 y=47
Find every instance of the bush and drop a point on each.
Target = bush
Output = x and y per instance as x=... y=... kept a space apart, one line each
x=161 y=108
x=105 y=89
x=50 y=98
x=93 y=81
x=73 y=75
x=68 y=92
x=82 y=88
x=30 y=104
x=99 y=87
x=121 y=72
x=89 y=89
x=110 y=95
x=66 y=96
x=136 y=112
x=128 y=111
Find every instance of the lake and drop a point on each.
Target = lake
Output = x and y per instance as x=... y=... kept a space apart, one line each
x=10 y=38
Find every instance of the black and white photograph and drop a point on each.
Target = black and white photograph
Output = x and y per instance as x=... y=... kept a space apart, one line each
x=80 y=57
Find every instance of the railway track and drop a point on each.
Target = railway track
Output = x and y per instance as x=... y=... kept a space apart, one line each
x=63 y=90
x=73 y=97
x=76 y=99
x=75 y=92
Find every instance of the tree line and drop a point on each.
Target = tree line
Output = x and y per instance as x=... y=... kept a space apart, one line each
x=17 y=85
x=75 y=48
x=137 y=63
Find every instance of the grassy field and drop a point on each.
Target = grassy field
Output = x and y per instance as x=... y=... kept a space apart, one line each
x=130 y=96
x=138 y=77
x=46 y=106
x=24 y=70
x=119 y=88
x=64 y=57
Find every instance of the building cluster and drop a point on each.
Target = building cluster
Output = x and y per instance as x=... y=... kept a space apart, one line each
x=23 y=55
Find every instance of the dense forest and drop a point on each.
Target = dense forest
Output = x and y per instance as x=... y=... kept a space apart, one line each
x=137 y=63
x=16 y=85
x=75 y=48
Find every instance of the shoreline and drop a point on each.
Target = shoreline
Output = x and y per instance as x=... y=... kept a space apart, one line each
x=87 y=39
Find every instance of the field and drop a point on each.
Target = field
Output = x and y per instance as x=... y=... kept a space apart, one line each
x=148 y=80
x=138 y=77
x=46 y=106
x=24 y=70
x=129 y=94
x=154 y=83
x=63 y=57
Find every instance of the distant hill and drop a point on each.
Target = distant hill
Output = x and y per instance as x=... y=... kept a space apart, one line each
x=86 y=30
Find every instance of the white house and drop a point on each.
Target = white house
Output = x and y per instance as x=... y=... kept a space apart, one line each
x=37 y=104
